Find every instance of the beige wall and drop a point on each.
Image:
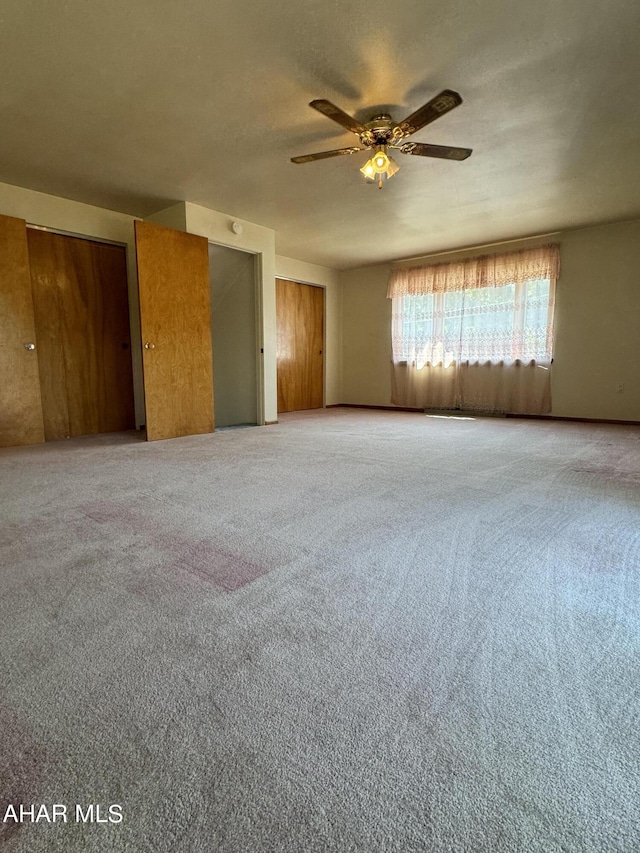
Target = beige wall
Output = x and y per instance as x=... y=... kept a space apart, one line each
x=366 y=336
x=288 y=268
x=216 y=227
x=597 y=318
x=171 y=217
x=597 y=345
x=65 y=215
x=598 y=324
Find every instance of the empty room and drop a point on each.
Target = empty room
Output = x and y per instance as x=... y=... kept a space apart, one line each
x=320 y=427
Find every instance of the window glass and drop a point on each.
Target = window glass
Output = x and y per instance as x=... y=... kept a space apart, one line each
x=478 y=324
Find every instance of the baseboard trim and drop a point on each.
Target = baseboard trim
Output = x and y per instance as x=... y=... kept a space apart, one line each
x=270 y=423
x=574 y=420
x=505 y=415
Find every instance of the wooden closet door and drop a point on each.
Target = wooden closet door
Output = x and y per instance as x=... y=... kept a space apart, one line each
x=20 y=402
x=81 y=306
x=175 y=321
x=300 y=325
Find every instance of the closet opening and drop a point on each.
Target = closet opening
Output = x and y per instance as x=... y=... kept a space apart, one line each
x=235 y=311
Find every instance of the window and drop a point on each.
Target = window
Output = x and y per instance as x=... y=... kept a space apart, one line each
x=480 y=324
x=476 y=333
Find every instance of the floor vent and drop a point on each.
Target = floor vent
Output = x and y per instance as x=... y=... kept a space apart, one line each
x=462 y=413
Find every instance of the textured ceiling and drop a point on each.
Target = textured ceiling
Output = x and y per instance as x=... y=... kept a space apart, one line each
x=137 y=105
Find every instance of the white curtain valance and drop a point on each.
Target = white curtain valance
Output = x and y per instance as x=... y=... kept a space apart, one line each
x=543 y=262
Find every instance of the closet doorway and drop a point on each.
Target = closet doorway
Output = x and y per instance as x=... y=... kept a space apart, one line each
x=300 y=336
x=234 y=332
x=81 y=314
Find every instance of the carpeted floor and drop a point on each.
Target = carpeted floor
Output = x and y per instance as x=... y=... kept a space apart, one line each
x=353 y=631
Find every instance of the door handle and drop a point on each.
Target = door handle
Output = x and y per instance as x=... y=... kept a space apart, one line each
x=149 y=346
x=30 y=346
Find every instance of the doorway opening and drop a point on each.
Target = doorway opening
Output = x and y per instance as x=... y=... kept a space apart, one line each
x=234 y=325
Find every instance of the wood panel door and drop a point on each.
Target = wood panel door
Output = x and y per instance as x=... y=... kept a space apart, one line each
x=175 y=321
x=20 y=402
x=81 y=306
x=300 y=332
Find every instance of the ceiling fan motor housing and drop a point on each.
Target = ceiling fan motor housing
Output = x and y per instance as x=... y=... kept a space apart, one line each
x=379 y=131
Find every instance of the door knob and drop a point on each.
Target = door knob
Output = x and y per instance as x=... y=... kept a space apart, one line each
x=29 y=346
x=149 y=346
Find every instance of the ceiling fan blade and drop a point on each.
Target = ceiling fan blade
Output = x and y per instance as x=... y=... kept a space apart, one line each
x=436 y=107
x=331 y=111
x=445 y=152
x=322 y=155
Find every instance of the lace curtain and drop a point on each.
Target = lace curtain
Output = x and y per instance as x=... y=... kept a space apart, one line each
x=475 y=334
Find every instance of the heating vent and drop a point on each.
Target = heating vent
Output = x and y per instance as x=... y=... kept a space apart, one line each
x=463 y=413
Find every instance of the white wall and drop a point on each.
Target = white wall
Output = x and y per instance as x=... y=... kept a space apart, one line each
x=597 y=339
x=61 y=214
x=299 y=271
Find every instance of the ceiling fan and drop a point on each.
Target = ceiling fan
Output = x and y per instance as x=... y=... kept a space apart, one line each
x=382 y=134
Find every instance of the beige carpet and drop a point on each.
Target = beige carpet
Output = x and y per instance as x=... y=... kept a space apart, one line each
x=359 y=632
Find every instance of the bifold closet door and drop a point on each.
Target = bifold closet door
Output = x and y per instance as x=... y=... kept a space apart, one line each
x=175 y=321
x=81 y=306
x=300 y=323
x=20 y=402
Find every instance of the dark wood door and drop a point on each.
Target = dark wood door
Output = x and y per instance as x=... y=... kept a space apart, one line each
x=81 y=309
x=175 y=320
x=300 y=332
x=20 y=402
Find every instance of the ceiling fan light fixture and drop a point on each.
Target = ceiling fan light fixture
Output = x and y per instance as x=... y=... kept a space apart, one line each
x=379 y=166
x=369 y=170
x=380 y=160
x=392 y=168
